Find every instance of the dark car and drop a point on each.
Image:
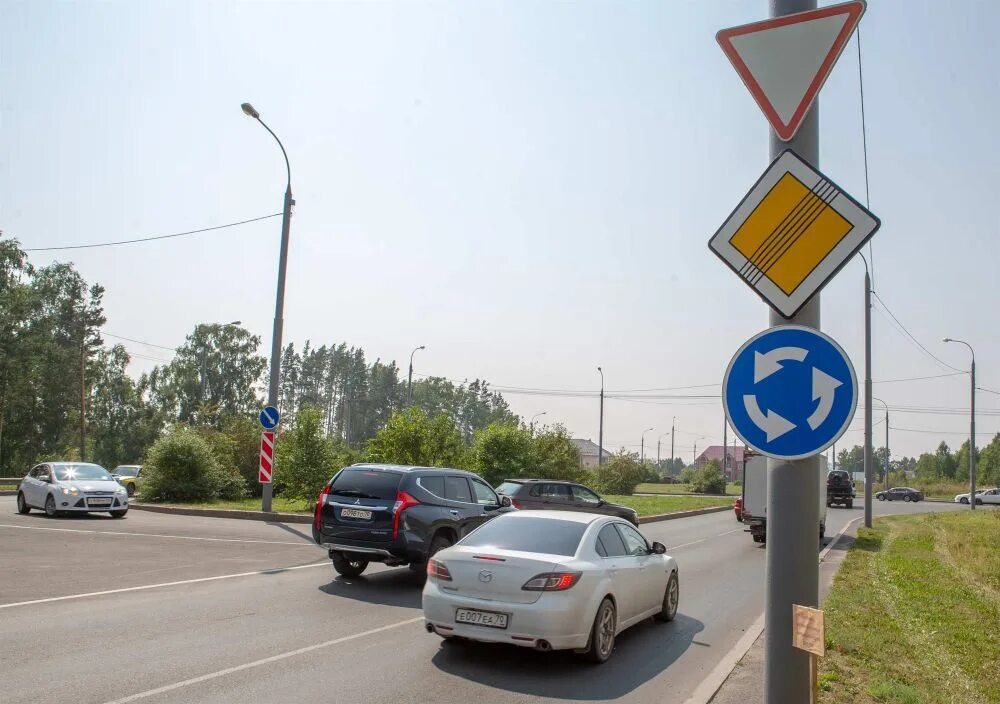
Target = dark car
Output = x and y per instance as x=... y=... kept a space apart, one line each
x=900 y=493
x=399 y=515
x=839 y=488
x=561 y=496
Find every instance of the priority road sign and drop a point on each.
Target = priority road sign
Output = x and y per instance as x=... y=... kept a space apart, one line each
x=269 y=417
x=790 y=392
x=785 y=61
x=266 y=456
x=792 y=233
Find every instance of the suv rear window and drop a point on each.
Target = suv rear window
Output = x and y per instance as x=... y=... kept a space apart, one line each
x=544 y=535
x=509 y=488
x=366 y=484
x=837 y=475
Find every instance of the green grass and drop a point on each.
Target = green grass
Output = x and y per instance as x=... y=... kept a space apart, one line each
x=912 y=615
x=277 y=504
x=8 y=487
x=731 y=489
x=654 y=505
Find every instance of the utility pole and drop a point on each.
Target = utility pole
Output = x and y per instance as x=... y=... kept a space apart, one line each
x=642 y=446
x=409 y=378
x=725 y=448
x=888 y=455
x=972 y=425
x=792 y=571
x=600 y=432
x=868 y=398
x=83 y=386
x=279 y=299
x=672 y=422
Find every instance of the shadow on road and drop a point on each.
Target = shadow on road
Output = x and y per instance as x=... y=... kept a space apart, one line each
x=392 y=587
x=641 y=653
x=293 y=531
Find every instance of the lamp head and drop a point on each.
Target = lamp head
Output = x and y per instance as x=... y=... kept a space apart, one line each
x=249 y=110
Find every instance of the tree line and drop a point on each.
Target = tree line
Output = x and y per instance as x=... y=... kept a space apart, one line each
x=941 y=466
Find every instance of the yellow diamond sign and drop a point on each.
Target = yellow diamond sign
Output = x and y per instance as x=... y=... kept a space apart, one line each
x=792 y=233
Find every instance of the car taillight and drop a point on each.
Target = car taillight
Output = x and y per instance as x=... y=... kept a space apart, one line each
x=551 y=582
x=403 y=502
x=437 y=570
x=317 y=519
x=516 y=504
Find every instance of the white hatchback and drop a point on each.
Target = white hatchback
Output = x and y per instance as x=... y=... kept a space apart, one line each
x=71 y=487
x=550 y=580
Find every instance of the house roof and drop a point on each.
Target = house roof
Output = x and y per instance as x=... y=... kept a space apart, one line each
x=587 y=448
x=714 y=452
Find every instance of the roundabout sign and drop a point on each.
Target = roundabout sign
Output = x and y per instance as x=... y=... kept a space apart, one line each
x=790 y=392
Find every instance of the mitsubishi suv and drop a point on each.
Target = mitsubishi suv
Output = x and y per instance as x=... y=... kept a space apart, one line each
x=399 y=515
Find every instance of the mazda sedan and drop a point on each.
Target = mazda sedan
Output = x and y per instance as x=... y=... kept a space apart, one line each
x=71 y=487
x=550 y=580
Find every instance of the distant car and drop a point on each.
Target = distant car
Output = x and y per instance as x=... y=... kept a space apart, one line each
x=399 y=515
x=839 y=488
x=127 y=474
x=71 y=487
x=900 y=493
x=550 y=580
x=553 y=495
x=983 y=496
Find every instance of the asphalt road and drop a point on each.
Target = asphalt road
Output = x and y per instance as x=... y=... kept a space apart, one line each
x=159 y=608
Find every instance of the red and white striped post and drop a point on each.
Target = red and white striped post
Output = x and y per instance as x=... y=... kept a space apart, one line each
x=266 y=456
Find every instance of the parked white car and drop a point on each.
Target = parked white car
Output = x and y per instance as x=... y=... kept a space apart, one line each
x=983 y=496
x=71 y=487
x=550 y=580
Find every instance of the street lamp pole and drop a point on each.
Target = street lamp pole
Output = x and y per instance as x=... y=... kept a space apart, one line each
x=409 y=378
x=658 y=449
x=600 y=431
x=887 y=455
x=532 y=424
x=972 y=425
x=642 y=446
x=279 y=299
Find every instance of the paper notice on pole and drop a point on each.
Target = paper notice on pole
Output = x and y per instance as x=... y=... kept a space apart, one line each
x=808 y=630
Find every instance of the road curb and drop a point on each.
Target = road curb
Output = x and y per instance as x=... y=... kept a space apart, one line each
x=683 y=514
x=8 y=492
x=271 y=516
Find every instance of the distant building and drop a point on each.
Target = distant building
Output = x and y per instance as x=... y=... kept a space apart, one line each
x=588 y=452
x=734 y=459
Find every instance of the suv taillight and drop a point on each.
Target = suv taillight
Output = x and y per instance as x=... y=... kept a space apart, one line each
x=516 y=504
x=403 y=502
x=437 y=570
x=318 y=518
x=551 y=582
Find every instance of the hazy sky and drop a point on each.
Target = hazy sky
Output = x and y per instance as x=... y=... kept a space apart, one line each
x=527 y=188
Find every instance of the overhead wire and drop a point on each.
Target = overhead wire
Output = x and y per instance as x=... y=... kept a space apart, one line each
x=915 y=340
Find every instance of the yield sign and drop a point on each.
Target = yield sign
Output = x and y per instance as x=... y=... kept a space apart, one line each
x=785 y=61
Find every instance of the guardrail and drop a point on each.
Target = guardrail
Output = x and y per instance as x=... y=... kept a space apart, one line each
x=10 y=480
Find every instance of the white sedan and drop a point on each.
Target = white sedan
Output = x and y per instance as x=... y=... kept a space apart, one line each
x=983 y=496
x=71 y=487
x=550 y=580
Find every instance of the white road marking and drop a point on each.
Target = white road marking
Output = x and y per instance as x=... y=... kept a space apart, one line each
x=275 y=570
x=684 y=545
x=734 y=530
x=160 y=535
x=263 y=661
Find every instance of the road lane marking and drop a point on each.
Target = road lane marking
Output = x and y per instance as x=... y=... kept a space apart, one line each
x=68 y=597
x=160 y=535
x=734 y=530
x=263 y=661
x=684 y=545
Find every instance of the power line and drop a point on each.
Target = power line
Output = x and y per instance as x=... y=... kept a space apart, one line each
x=141 y=342
x=919 y=378
x=155 y=237
x=864 y=144
x=989 y=391
x=940 y=432
x=915 y=340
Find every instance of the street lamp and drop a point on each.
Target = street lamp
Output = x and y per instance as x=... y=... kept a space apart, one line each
x=642 y=446
x=600 y=431
x=673 y=421
x=279 y=299
x=972 y=425
x=409 y=379
x=532 y=424
x=658 y=448
x=695 y=450
x=887 y=455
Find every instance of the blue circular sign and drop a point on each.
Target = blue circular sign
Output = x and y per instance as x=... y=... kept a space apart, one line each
x=269 y=417
x=790 y=392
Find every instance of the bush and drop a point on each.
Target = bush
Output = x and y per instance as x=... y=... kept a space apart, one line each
x=305 y=458
x=708 y=479
x=558 y=458
x=180 y=466
x=411 y=437
x=687 y=475
x=620 y=474
x=244 y=435
x=503 y=451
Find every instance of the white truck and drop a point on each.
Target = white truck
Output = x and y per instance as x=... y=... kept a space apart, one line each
x=754 y=509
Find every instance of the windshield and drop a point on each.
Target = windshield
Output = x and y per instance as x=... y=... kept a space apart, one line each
x=127 y=471
x=508 y=488
x=366 y=484
x=72 y=472
x=543 y=535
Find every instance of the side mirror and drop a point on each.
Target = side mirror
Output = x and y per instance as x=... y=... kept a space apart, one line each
x=659 y=549
x=505 y=502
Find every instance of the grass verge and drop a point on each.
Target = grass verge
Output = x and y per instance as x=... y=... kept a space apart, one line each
x=671 y=489
x=253 y=504
x=912 y=615
x=654 y=505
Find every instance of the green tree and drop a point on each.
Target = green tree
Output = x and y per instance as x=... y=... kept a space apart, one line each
x=557 y=456
x=946 y=463
x=927 y=467
x=180 y=466
x=851 y=460
x=708 y=479
x=413 y=438
x=988 y=462
x=120 y=425
x=504 y=451
x=620 y=474
x=244 y=436
x=305 y=458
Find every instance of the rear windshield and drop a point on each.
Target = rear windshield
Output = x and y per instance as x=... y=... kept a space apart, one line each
x=544 y=535
x=508 y=488
x=366 y=484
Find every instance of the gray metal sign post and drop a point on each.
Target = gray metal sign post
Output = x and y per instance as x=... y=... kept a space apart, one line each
x=792 y=573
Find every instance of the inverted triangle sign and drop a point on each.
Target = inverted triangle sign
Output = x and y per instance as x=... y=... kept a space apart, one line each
x=785 y=61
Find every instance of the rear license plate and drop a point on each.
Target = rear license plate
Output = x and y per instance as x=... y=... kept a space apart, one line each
x=99 y=502
x=490 y=619
x=355 y=513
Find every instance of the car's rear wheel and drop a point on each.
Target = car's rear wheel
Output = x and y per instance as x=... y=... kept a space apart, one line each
x=50 y=507
x=346 y=566
x=671 y=598
x=118 y=514
x=850 y=504
x=22 y=505
x=979 y=502
x=602 y=633
x=907 y=498
x=438 y=543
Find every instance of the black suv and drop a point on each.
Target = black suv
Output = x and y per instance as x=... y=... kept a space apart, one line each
x=839 y=488
x=561 y=496
x=399 y=515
